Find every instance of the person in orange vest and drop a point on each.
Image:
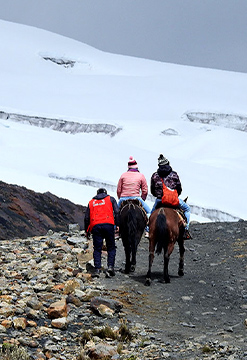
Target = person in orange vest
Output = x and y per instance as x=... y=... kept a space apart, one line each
x=101 y=217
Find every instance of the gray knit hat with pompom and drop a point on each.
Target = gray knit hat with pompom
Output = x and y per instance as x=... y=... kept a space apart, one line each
x=162 y=160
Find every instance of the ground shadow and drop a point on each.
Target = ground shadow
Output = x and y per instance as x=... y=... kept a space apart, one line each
x=157 y=276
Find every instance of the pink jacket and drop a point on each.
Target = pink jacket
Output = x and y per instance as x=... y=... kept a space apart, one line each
x=132 y=183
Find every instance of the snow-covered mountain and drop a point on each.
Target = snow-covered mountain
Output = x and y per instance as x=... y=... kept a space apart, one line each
x=71 y=115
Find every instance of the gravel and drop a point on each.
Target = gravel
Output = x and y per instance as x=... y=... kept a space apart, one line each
x=207 y=307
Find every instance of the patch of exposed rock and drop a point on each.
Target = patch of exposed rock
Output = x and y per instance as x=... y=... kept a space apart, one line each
x=232 y=121
x=26 y=213
x=71 y=127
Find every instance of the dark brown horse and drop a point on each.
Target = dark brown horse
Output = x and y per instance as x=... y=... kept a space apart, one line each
x=166 y=227
x=133 y=220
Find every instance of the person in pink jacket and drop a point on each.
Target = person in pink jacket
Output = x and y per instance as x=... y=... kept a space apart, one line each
x=133 y=185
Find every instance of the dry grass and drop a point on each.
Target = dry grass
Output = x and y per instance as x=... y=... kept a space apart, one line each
x=13 y=352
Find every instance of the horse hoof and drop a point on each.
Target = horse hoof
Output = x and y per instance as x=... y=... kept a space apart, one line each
x=148 y=282
x=132 y=268
x=180 y=272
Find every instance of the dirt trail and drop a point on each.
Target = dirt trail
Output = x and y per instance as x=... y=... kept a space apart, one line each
x=209 y=302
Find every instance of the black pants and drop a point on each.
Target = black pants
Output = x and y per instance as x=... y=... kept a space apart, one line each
x=101 y=232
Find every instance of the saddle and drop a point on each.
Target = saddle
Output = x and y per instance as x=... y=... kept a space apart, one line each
x=178 y=210
x=182 y=216
x=131 y=201
x=161 y=204
x=136 y=202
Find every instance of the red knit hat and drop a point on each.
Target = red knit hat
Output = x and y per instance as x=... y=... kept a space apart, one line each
x=132 y=164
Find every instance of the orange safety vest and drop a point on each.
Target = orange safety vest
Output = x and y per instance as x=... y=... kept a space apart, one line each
x=101 y=212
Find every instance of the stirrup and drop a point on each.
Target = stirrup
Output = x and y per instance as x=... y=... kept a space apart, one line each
x=187 y=235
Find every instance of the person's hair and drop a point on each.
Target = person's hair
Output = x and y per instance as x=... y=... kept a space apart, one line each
x=101 y=191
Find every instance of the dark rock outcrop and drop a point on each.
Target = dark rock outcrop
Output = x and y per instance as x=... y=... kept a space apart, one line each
x=26 y=213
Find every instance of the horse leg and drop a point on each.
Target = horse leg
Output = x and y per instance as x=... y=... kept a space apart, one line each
x=166 y=264
x=134 y=249
x=181 y=258
x=127 y=260
x=132 y=266
x=151 y=259
x=167 y=254
x=148 y=276
x=127 y=255
x=133 y=258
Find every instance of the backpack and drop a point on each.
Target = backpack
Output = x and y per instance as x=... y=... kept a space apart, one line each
x=169 y=197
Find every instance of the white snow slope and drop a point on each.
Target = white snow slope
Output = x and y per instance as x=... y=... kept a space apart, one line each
x=71 y=115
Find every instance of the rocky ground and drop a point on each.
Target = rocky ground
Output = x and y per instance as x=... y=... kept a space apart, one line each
x=51 y=306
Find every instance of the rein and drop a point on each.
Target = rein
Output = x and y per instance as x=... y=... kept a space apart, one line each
x=129 y=204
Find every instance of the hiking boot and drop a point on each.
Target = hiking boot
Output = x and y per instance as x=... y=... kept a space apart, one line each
x=96 y=273
x=187 y=235
x=110 y=272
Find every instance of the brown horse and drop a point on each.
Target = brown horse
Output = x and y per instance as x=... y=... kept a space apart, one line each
x=166 y=227
x=133 y=220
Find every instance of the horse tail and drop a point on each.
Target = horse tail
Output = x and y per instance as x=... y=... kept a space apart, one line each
x=132 y=226
x=161 y=232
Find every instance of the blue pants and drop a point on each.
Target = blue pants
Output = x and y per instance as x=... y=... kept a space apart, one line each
x=183 y=205
x=186 y=209
x=101 y=232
